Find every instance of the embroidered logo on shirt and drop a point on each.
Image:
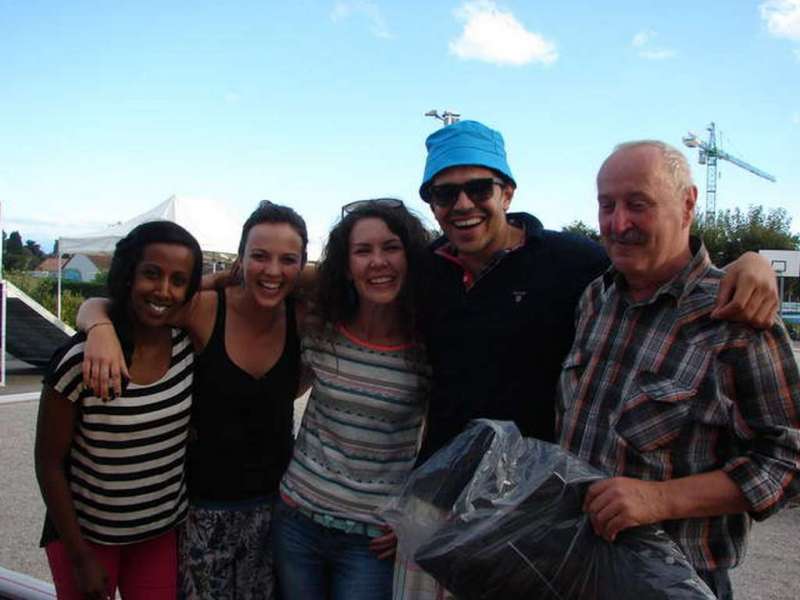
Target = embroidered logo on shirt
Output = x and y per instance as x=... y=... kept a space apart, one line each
x=519 y=295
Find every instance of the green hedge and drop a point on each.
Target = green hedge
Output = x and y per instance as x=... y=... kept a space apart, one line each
x=43 y=290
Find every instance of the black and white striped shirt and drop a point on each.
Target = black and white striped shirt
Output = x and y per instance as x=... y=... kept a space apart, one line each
x=126 y=464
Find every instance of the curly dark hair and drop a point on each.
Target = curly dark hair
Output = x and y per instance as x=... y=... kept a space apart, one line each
x=336 y=300
x=127 y=255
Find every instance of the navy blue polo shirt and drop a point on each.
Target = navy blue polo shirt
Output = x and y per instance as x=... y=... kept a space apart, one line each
x=496 y=348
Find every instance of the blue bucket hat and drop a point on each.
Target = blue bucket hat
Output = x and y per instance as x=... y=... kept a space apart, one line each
x=464 y=143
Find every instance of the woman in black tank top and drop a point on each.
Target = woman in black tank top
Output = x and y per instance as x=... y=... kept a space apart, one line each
x=248 y=374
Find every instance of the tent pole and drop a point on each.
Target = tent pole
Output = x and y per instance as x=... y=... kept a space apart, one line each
x=3 y=322
x=58 y=285
x=2 y=316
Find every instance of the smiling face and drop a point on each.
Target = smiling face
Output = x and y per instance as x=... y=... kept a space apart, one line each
x=644 y=219
x=377 y=262
x=478 y=229
x=160 y=282
x=271 y=263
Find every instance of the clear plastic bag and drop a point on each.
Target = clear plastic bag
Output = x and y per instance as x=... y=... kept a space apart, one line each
x=496 y=515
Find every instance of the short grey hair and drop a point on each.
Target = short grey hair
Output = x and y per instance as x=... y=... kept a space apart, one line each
x=676 y=167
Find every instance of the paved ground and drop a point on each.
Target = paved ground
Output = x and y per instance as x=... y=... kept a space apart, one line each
x=770 y=572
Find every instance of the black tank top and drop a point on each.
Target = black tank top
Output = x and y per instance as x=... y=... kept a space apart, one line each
x=241 y=439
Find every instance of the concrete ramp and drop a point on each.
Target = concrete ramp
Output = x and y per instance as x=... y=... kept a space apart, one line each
x=18 y=586
x=32 y=332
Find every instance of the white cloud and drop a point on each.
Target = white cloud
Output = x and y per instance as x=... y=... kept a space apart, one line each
x=495 y=36
x=663 y=54
x=641 y=38
x=644 y=42
x=365 y=8
x=782 y=18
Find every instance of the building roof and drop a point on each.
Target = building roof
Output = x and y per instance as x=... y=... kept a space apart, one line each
x=101 y=261
x=50 y=264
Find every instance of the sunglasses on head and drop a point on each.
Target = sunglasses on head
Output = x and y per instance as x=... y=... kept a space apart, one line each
x=374 y=202
x=446 y=195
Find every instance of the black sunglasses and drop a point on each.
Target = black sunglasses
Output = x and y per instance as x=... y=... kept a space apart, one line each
x=378 y=202
x=446 y=195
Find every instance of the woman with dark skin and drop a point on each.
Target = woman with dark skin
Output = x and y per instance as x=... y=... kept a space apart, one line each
x=112 y=477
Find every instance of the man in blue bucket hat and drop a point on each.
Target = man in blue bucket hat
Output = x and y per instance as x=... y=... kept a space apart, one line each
x=504 y=295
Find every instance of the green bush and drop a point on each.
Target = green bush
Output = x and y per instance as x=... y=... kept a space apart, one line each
x=44 y=292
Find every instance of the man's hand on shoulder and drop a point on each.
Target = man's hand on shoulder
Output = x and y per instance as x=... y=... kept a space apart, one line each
x=748 y=293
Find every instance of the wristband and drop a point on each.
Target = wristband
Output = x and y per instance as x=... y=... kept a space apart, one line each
x=89 y=329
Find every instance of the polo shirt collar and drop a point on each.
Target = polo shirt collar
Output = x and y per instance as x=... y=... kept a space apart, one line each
x=531 y=226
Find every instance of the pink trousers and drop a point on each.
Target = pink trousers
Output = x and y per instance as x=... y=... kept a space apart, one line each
x=142 y=571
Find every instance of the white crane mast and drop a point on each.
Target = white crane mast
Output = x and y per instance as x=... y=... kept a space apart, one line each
x=709 y=152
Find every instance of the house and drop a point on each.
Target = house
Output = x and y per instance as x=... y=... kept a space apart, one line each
x=85 y=267
x=49 y=267
x=76 y=267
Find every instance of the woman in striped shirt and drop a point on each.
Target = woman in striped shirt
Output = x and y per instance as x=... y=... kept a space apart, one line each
x=112 y=474
x=359 y=436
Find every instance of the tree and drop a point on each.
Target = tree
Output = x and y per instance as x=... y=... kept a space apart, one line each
x=581 y=228
x=35 y=249
x=18 y=256
x=15 y=258
x=14 y=243
x=734 y=232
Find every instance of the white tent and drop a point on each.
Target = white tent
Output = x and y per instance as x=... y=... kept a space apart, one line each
x=213 y=225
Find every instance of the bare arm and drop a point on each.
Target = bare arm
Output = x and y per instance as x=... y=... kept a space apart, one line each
x=621 y=502
x=748 y=292
x=103 y=360
x=217 y=281
x=54 y=431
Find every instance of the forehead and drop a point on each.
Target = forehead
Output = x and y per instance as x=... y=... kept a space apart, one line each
x=274 y=236
x=371 y=229
x=176 y=256
x=632 y=169
x=462 y=174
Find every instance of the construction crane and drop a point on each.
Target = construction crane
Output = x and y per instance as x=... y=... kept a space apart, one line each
x=709 y=153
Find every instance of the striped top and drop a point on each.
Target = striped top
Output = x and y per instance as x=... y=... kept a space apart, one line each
x=360 y=433
x=658 y=390
x=126 y=463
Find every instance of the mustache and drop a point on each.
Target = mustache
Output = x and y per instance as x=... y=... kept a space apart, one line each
x=629 y=236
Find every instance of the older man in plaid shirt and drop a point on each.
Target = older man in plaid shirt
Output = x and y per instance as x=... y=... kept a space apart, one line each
x=696 y=420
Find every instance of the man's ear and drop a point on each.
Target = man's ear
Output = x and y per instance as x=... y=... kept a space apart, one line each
x=508 y=196
x=690 y=201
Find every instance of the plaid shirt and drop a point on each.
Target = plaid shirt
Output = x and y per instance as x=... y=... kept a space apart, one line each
x=658 y=390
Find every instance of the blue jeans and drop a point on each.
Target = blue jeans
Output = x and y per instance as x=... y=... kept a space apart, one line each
x=720 y=583
x=314 y=562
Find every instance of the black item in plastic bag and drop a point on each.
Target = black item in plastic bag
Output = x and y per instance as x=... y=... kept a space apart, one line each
x=494 y=515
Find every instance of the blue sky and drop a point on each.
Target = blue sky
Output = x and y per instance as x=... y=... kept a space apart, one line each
x=108 y=108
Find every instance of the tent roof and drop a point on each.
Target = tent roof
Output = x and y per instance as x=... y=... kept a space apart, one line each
x=210 y=223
